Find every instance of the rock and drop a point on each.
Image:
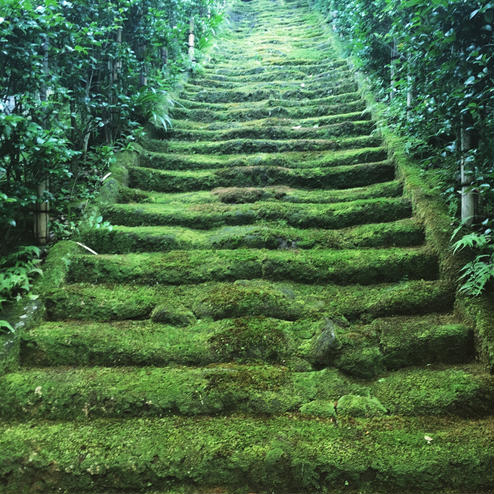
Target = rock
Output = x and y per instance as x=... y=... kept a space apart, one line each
x=325 y=346
x=172 y=315
x=360 y=406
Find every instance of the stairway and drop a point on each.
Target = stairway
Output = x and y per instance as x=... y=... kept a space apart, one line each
x=265 y=315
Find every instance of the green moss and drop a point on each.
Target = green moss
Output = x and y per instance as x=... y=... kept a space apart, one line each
x=249 y=132
x=360 y=406
x=265 y=112
x=246 y=176
x=244 y=452
x=463 y=391
x=256 y=94
x=251 y=339
x=71 y=393
x=57 y=264
x=118 y=343
x=165 y=313
x=478 y=313
x=206 y=216
x=260 y=145
x=318 y=408
x=242 y=298
x=294 y=159
x=181 y=267
x=420 y=341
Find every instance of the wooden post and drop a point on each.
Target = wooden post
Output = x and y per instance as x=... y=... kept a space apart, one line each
x=42 y=212
x=191 y=40
x=467 y=195
x=393 y=57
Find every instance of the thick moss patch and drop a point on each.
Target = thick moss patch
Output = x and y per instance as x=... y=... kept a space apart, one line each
x=217 y=300
x=286 y=453
x=206 y=216
x=270 y=235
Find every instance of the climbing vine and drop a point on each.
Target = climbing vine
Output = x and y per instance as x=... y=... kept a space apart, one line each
x=429 y=60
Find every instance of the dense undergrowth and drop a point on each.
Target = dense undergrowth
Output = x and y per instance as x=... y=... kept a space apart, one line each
x=428 y=61
x=77 y=81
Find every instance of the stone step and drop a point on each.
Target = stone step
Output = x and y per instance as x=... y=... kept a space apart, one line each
x=360 y=350
x=235 y=146
x=288 y=74
x=290 y=453
x=270 y=102
x=301 y=66
x=344 y=129
x=220 y=300
x=121 y=392
x=336 y=76
x=338 y=177
x=267 y=235
x=256 y=113
x=207 y=216
x=292 y=160
x=250 y=94
x=180 y=267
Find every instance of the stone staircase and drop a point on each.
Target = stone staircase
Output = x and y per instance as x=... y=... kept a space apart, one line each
x=265 y=315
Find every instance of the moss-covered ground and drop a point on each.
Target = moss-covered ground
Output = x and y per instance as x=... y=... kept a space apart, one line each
x=267 y=314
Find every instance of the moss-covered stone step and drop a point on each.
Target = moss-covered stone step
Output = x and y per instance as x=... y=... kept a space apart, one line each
x=122 y=239
x=346 y=129
x=80 y=393
x=262 y=76
x=297 y=159
x=258 y=112
x=292 y=82
x=241 y=195
x=283 y=454
x=272 y=102
x=306 y=65
x=338 y=177
x=220 y=300
x=206 y=216
x=235 y=146
x=266 y=123
x=247 y=94
x=361 y=350
x=365 y=267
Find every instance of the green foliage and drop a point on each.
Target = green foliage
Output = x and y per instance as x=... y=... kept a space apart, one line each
x=17 y=272
x=77 y=78
x=429 y=62
x=478 y=274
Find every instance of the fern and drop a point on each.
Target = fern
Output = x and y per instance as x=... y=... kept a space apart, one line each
x=17 y=271
x=477 y=274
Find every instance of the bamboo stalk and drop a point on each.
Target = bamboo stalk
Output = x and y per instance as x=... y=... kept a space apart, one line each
x=191 y=40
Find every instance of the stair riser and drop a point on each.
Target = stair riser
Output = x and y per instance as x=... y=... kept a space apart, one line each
x=346 y=129
x=73 y=394
x=218 y=301
x=121 y=242
x=337 y=77
x=337 y=178
x=220 y=96
x=244 y=453
x=242 y=146
x=184 y=267
x=293 y=161
x=250 y=339
x=259 y=113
